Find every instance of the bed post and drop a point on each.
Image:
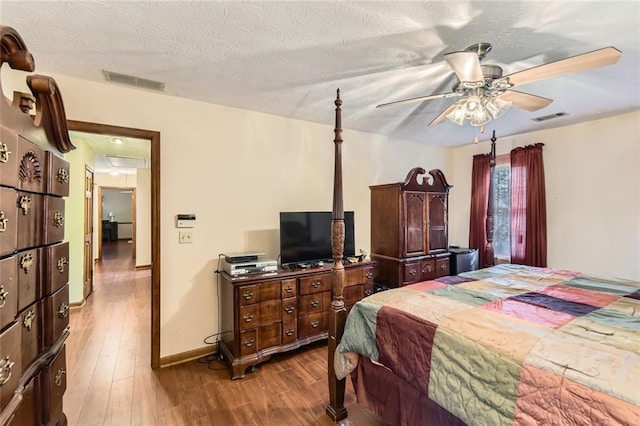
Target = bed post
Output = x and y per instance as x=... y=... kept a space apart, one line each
x=488 y=250
x=337 y=315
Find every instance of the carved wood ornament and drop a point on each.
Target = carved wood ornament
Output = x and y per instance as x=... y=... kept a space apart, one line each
x=45 y=96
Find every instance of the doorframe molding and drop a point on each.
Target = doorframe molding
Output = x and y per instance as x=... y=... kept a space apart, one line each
x=154 y=138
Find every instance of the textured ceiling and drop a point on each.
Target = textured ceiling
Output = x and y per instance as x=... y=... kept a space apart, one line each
x=288 y=58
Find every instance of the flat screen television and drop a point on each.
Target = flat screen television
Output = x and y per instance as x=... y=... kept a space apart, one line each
x=305 y=237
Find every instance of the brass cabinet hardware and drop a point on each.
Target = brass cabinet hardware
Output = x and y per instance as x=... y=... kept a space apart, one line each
x=25 y=204
x=288 y=289
x=315 y=284
x=58 y=219
x=3 y=296
x=412 y=272
x=247 y=295
x=63 y=311
x=4 y=153
x=63 y=175
x=368 y=292
x=315 y=303
x=27 y=321
x=248 y=317
x=289 y=331
x=315 y=324
x=61 y=262
x=249 y=342
x=289 y=309
x=26 y=262
x=5 y=370
x=3 y=221
x=369 y=275
x=58 y=379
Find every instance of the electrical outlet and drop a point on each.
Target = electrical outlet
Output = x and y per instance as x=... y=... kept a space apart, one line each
x=185 y=237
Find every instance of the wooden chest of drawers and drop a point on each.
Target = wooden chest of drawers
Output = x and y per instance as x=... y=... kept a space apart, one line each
x=267 y=314
x=34 y=289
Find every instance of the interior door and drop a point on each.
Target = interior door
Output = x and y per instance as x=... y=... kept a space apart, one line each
x=88 y=233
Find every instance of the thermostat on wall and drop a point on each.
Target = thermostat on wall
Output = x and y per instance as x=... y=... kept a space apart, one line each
x=185 y=220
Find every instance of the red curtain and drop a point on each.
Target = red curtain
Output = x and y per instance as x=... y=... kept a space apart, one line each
x=528 y=207
x=480 y=173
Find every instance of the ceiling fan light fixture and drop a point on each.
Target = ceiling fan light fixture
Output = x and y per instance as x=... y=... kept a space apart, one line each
x=480 y=117
x=497 y=107
x=458 y=114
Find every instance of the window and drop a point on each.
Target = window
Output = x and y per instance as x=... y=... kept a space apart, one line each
x=502 y=210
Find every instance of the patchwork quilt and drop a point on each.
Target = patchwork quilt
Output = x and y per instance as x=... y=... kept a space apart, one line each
x=509 y=344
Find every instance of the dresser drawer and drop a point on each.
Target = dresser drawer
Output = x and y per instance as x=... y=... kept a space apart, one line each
x=269 y=335
x=56 y=268
x=289 y=309
x=367 y=274
x=26 y=412
x=411 y=272
x=312 y=324
x=248 y=342
x=288 y=288
x=57 y=175
x=270 y=311
x=367 y=290
x=352 y=294
x=31 y=166
x=56 y=316
x=8 y=221
x=315 y=283
x=8 y=291
x=442 y=267
x=54 y=221
x=316 y=302
x=248 y=317
x=353 y=277
x=427 y=269
x=30 y=324
x=289 y=331
x=29 y=218
x=10 y=363
x=8 y=157
x=54 y=384
x=28 y=275
x=247 y=294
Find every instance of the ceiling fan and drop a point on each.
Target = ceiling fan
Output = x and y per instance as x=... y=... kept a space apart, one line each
x=488 y=94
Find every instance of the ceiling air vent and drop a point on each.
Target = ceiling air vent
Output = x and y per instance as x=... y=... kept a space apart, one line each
x=550 y=116
x=131 y=80
x=130 y=162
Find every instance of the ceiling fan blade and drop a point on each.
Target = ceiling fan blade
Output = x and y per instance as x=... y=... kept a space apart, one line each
x=466 y=65
x=597 y=58
x=443 y=115
x=525 y=101
x=420 y=98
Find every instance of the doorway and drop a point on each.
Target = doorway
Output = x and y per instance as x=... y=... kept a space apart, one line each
x=154 y=138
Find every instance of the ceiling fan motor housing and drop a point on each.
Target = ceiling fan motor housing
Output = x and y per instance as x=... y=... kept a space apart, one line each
x=490 y=73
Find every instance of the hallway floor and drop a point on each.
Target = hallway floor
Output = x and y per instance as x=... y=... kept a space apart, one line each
x=110 y=381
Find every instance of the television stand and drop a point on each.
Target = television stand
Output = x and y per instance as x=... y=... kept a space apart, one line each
x=266 y=314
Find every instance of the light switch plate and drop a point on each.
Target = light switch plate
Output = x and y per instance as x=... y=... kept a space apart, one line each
x=185 y=237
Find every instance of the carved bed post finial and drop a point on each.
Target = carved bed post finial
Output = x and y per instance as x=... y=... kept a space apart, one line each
x=488 y=250
x=337 y=315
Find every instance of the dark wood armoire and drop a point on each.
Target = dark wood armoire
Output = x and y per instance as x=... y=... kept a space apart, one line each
x=34 y=258
x=409 y=229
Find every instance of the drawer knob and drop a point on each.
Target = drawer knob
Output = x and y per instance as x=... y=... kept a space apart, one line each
x=3 y=296
x=289 y=309
x=249 y=342
x=58 y=219
x=25 y=204
x=5 y=370
x=289 y=332
x=368 y=292
x=63 y=175
x=4 y=153
x=248 y=317
x=63 y=311
x=58 y=379
x=315 y=303
x=412 y=272
x=61 y=262
x=26 y=262
x=315 y=324
x=315 y=283
x=288 y=289
x=247 y=295
x=3 y=222
x=369 y=275
x=443 y=267
x=27 y=321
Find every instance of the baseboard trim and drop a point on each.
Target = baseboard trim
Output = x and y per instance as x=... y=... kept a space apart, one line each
x=186 y=356
x=141 y=267
x=77 y=305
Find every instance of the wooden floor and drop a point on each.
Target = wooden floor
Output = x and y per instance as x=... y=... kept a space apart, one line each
x=110 y=381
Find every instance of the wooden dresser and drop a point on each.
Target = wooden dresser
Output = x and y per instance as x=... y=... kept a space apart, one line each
x=409 y=229
x=34 y=259
x=267 y=314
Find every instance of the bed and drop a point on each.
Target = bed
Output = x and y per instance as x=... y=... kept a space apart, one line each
x=507 y=344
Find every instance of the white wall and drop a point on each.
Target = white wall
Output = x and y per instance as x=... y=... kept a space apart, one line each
x=592 y=177
x=236 y=170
